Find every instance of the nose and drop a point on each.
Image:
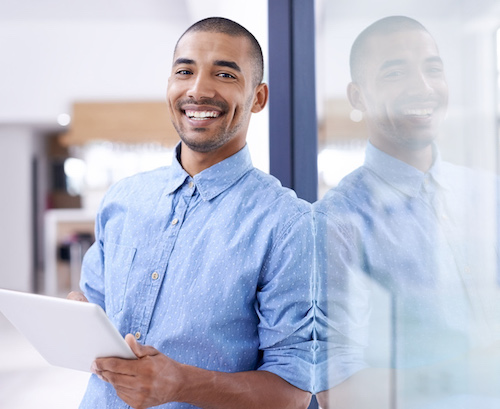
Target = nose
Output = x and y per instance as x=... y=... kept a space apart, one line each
x=420 y=84
x=201 y=86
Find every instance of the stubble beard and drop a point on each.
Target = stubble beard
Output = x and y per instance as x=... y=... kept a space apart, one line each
x=204 y=145
x=221 y=135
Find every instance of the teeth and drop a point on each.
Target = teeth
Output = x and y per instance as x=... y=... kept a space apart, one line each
x=418 y=112
x=199 y=115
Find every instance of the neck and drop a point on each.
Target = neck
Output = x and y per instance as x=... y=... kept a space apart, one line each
x=194 y=162
x=419 y=158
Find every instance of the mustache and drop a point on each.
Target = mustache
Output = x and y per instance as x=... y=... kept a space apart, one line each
x=418 y=100
x=206 y=101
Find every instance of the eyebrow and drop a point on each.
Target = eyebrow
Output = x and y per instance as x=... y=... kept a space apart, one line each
x=218 y=63
x=435 y=59
x=181 y=60
x=228 y=64
x=391 y=63
x=397 y=62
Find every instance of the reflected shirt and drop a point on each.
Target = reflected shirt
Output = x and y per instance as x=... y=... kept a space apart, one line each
x=212 y=270
x=428 y=243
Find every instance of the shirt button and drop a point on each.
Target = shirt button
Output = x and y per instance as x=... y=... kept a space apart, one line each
x=137 y=335
x=155 y=276
x=191 y=184
x=175 y=221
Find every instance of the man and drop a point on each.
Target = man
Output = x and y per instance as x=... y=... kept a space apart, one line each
x=415 y=230
x=206 y=262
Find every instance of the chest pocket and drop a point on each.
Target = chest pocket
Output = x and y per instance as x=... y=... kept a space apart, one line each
x=117 y=265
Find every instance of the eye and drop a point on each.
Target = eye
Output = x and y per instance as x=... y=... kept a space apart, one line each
x=435 y=70
x=226 y=75
x=183 y=72
x=394 y=74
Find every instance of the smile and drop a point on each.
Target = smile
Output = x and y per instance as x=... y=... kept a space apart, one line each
x=201 y=115
x=418 y=111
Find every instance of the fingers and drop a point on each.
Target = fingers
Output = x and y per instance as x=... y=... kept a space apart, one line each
x=76 y=296
x=125 y=366
x=126 y=375
x=118 y=380
x=148 y=381
x=114 y=365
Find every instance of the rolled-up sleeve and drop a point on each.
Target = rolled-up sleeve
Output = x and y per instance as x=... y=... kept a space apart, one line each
x=342 y=303
x=285 y=305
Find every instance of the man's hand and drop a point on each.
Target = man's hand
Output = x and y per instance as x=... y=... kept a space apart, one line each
x=151 y=380
x=76 y=296
x=154 y=379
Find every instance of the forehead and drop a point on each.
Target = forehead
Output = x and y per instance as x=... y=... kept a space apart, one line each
x=412 y=46
x=203 y=47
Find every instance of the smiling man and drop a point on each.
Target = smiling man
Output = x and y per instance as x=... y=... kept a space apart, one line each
x=407 y=253
x=206 y=262
x=212 y=96
x=398 y=83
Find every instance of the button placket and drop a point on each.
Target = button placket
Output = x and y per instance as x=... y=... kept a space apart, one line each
x=158 y=270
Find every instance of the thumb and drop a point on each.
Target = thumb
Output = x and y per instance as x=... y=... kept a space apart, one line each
x=76 y=296
x=139 y=350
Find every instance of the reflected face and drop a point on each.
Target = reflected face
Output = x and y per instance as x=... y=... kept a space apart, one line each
x=403 y=91
x=210 y=92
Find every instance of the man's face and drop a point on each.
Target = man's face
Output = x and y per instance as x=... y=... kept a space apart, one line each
x=210 y=91
x=403 y=90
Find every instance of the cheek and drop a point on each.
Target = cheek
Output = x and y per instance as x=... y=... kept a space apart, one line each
x=443 y=91
x=170 y=107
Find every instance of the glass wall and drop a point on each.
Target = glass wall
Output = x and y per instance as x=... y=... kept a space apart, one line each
x=409 y=296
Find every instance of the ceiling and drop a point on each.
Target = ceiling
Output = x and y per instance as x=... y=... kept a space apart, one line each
x=187 y=11
x=442 y=9
x=94 y=10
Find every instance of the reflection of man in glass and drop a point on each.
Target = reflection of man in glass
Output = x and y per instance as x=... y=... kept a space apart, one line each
x=411 y=231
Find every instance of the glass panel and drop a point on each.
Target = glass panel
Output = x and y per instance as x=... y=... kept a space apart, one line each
x=409 y=296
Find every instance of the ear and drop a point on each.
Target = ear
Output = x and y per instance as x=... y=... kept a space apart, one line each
x=261 y=97
x=355 y=96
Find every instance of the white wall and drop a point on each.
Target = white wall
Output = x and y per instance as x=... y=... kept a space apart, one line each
x=16 y=244
x=52 y=64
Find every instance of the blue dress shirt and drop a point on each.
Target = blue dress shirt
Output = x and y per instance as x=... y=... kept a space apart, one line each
x=212 y=270
x=428 y=243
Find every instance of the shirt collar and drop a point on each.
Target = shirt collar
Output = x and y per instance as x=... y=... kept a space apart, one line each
x=399 y=174
x=214 y=180
x=177 y=175
x=438 y=171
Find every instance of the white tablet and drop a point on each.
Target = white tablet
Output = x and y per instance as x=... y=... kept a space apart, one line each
x=67 y=333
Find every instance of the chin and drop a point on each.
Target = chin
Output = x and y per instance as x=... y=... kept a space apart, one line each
x=202 y=146
x=420 y=142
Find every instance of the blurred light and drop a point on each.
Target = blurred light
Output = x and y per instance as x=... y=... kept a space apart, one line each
x=63 y=119
x=335 y=163
x=75 y=170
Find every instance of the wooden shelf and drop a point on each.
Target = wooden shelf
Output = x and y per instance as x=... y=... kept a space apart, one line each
x=127 y=122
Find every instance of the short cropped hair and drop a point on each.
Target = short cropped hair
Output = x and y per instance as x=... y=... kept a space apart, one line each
x=384 y=26
x=233 y=29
